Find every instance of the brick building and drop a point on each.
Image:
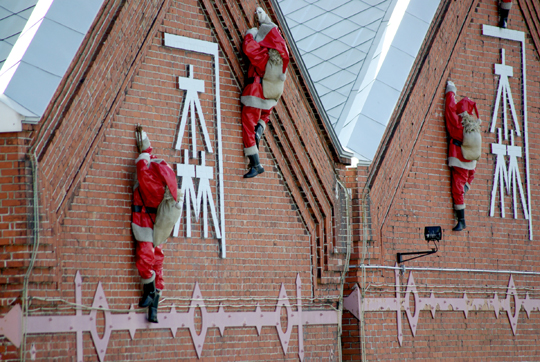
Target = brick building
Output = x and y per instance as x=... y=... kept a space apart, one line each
x=250 y=249
x=481 y=287
x=257 y=269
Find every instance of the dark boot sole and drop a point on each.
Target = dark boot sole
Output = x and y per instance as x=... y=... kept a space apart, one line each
x=459 y=227
x=152 y=316
x=253 y=172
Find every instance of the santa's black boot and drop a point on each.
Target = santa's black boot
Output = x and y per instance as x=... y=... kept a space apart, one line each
x=259 y=129
x=503 y=20
x=256 y=167
x=461 y=220
x=152 y=311
x=149 y=290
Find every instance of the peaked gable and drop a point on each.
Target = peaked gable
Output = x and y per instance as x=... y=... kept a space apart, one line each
x=461 y=60
x=409 y=188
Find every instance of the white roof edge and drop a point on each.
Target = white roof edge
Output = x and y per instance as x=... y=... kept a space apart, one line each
x=17 y=107
x=369 y=57
x=14 y=115
x=11 y=121
x=342 y=152
x=25 y=38
x=40 y=57
x=364 y=138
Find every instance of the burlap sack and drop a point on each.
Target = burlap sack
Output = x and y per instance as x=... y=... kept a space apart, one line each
x=274 y=78
x=168 y=213
x=471 y=148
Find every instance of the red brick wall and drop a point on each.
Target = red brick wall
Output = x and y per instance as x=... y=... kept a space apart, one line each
x=85 y=145
x=15 y=175
x=16 y=218
x=410 y=189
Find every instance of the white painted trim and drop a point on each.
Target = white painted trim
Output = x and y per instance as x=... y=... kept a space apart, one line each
x=192 y=103
x=519 y=36
x=194 y=45
x=503 y=91
x=10 y=121
x=503 y=33
x=205 y=47
x=204 y=198
x=448 y=270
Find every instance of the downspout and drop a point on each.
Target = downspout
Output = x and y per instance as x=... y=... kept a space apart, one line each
x=35 y=229
x=345 y=267
x=365 y=237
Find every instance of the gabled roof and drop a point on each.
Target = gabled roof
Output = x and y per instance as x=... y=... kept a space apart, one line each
x=39 y=41
x=359 y=54
x=334 y=38
x=13 y=17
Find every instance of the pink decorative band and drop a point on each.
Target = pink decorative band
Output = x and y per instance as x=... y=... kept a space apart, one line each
x=354 y=303
x=11 y=327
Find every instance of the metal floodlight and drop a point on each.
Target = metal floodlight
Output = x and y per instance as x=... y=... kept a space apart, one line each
x=431 y=233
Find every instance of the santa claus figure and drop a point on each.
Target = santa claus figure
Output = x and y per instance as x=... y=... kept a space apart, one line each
x=504 y=10
x=463 y=128
x=154 y=209
x=269 y=58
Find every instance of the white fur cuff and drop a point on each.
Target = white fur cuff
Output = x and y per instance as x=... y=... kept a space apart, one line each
x=450 y=87
x=262 y=123
x=257 y=102
x=143 y=156
x=145 y=144
x=252 y=31
x=149 y=280
x=253 y=150
x=459 y=207
x=455 y=162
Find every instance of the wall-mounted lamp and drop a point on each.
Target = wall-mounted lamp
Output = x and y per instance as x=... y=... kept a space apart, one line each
x=431 y=233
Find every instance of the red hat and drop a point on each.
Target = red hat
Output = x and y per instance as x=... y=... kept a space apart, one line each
x=466 y=105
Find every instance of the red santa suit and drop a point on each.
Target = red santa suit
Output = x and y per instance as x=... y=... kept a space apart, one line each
x=257 y=108
x=153 y=177
x=462 y=169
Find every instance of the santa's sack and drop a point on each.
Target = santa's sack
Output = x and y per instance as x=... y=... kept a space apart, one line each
x=168 y=213
x=274 y=78
x=471 y=147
